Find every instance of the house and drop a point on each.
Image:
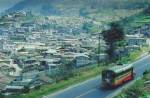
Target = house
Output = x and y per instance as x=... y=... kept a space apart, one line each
x=18 y=14
x=135 y=40
x=5 y=67
x=4 y=80
x=30 y=64
x=101 y=57
x=129 y=49
x=146 y=30
x=51 y=66
x=8 y=90
x=52 y=69
x=27 y=61
x=86 y=44
x=9 y=47
x=1 y=44
x=81 y=60
x=21 y=85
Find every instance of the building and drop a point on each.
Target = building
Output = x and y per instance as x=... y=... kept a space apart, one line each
x=81 y=60
x=135 y=40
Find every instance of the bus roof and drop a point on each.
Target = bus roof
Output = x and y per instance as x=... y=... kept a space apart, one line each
x=118 y=69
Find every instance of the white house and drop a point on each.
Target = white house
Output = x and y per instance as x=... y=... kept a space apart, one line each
x=135 y=40
x=81 y=60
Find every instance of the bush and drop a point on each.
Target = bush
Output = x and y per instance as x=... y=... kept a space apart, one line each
x=146 y=72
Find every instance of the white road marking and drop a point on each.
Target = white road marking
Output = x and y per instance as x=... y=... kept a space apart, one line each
x=83 y=94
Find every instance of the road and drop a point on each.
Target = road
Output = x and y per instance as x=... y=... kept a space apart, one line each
x=91 y=88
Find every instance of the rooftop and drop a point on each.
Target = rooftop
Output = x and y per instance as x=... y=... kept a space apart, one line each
x=120 y=68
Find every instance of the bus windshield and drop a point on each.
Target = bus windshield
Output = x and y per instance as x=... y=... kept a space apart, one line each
x=107 y=74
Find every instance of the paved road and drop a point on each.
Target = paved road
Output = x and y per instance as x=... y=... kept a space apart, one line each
x=91 y=88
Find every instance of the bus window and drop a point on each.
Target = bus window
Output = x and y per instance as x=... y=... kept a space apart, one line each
x=124 y=72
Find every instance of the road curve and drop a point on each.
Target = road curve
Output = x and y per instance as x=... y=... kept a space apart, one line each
x=91 y=88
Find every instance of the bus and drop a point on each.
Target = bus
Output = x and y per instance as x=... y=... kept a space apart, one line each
x=117 y=75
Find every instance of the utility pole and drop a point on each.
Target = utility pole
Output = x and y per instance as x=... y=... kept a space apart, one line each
x=99 y=36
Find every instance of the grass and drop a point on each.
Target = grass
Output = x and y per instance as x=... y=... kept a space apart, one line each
x=137 y=20
x=134 y=55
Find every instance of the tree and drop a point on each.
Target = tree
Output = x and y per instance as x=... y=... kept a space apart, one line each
x=112 y=36
x=147 y=9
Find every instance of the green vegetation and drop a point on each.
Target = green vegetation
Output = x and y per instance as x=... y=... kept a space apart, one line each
x=135 y=21
x=133 y=56
x=140 y=20
x=141 y=89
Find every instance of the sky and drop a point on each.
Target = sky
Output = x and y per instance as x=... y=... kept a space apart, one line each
x=5 y=4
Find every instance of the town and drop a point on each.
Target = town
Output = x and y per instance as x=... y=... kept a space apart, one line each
x=42 y=50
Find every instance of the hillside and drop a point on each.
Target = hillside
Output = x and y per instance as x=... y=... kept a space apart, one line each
x=76 y=7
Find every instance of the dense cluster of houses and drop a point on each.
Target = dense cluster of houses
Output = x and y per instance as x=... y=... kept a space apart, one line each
x=30 y=52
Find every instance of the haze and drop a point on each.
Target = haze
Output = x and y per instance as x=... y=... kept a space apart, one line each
x=5 y=4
